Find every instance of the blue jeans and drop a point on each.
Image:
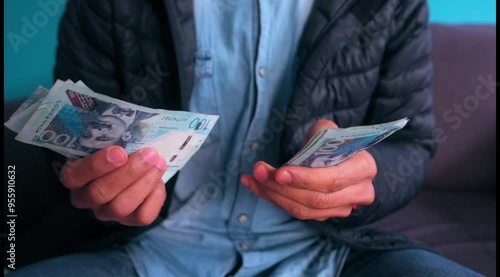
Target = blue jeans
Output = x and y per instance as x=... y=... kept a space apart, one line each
x=402 y=263
x=117 y=263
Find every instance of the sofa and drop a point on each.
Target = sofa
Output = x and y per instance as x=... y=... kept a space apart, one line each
x=455 y=213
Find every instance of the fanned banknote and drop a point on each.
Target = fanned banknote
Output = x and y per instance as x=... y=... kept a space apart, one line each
x=330 y=147
x=21 y=116
x=38 y=94
x=17 y=121
x=75 y=121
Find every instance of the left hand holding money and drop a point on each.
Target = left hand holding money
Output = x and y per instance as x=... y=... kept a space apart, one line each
x=316 y=193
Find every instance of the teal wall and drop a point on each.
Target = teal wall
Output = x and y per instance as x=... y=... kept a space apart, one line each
x=463 y=11
x=30 y=40
x=30 y=52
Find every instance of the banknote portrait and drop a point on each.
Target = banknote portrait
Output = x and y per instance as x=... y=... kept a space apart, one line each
x=114 y=125
x=90 y=124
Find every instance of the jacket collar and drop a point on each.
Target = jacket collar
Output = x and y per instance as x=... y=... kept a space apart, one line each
x=324 y=15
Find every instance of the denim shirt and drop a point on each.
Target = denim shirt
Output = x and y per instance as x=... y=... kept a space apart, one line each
x=244 y=68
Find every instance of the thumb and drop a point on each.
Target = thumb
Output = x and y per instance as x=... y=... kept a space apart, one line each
x=318 y=126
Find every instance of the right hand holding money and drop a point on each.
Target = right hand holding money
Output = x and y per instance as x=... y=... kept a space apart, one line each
x=118 y=187
x=316 y=193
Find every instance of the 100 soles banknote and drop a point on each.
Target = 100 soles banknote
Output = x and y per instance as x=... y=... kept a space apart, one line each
x=75 y=121
x=330 y=147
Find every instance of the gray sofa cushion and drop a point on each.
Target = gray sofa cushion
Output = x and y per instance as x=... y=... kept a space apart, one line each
x=459 y=225
x=464 y=57
x=456 y=212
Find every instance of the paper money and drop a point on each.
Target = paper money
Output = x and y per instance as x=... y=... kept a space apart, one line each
x=38 y=94
x=75 y=121
x=21 y=116
x=330 y=147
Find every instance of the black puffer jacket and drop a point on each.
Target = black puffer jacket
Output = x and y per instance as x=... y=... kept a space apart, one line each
x=360 y=62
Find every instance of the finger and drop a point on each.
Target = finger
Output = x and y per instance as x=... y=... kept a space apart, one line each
x=263 y=171
x=304 y=178
x=250 y=182
x=356 y=194
x=126 y=202
x=77 y=173
x=292 y=207
x=353 y=208
x=364 y=160
x=318 y=126
x=148 y=211
x=104 y=189
x=329 y=179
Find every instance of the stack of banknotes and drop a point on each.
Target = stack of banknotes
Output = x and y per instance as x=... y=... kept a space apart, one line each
x=75 y=121
x=330 y=147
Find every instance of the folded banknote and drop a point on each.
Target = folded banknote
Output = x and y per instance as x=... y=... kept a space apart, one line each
x=75 y=121
x=330 y=147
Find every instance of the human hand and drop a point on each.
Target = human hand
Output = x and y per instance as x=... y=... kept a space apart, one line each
x=117 y=187
x=316 y=193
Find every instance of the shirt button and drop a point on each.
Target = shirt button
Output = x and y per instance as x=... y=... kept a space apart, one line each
x=262 y=72
x=243 y=218
x=244 y=246
x=255 y=146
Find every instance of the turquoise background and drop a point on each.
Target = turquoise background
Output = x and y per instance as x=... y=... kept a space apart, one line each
x=33 y=63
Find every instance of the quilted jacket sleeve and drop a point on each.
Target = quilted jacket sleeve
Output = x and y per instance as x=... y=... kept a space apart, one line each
x=85 y=52
x=403 y=90
x=86 y=48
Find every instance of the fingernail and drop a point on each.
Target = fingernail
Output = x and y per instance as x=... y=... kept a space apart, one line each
x=116 y=156
x=150 y=155
x=284 y=178
x=245 y=182
x=65 y=176
x=161 y=164
x=261 y=173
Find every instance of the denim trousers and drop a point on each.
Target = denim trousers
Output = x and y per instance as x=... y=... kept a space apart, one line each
x=117 y=262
